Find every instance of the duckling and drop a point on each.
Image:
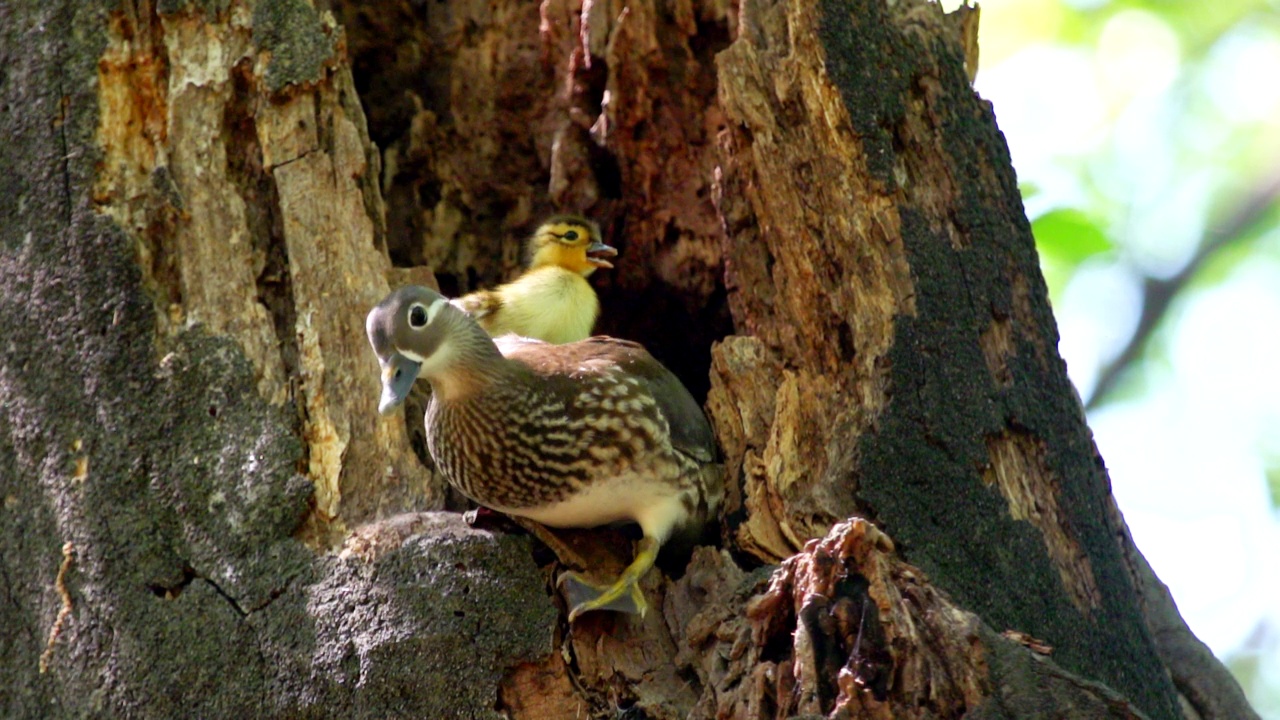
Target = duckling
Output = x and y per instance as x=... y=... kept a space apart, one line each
x=552 y=300
x=572 y=436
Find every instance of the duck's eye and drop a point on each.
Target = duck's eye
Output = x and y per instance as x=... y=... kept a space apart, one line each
x=417 y=317
x=570 y=235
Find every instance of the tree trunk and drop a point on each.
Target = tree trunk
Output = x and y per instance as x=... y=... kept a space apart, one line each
x=821 y=234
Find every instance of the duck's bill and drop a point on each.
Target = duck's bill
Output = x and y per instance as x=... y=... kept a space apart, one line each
x=598 y=252
x=398 y=374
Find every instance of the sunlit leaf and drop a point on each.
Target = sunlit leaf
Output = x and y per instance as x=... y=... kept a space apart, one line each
x=1069 y=235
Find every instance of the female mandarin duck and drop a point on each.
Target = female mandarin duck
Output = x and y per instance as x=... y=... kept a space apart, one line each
x=577 y=435
x=552 y=300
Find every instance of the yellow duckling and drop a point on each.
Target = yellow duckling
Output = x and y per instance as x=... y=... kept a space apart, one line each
x=552 y=301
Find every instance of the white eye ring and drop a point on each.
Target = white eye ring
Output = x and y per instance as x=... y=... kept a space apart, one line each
x=419 y=316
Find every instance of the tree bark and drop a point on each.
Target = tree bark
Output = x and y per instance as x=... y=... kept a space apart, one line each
x=821 y=234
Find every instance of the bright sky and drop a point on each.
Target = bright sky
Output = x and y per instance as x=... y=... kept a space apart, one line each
x=1118 y=123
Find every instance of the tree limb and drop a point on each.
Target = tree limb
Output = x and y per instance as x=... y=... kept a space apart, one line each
x=1158 y=294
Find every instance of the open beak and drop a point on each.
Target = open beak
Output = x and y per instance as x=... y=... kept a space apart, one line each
x=598 y=251
x=398 y=374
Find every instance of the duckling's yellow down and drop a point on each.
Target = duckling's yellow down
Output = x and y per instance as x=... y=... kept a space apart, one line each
x=549 y=303
x=552 y=301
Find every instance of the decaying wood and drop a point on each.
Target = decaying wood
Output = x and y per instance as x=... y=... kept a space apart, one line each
x=247 y=176
x=820 y=233
x=846 y=629
x=793 y=181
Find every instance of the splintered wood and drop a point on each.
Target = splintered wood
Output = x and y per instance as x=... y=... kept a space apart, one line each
x=257 y=215
x=817 y=274
x=1019 y=470
x=846 y=629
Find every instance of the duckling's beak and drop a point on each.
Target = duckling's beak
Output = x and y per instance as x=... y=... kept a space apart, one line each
x=398 y=374
x=598 y=251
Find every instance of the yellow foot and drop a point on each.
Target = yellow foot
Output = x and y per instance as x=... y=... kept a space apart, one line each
x=622 y=596
x=584 y=596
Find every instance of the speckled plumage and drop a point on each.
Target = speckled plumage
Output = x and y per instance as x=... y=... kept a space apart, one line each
x=577 y=417
x=574 y=435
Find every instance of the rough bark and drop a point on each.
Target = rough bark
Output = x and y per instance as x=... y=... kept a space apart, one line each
x=820 y=232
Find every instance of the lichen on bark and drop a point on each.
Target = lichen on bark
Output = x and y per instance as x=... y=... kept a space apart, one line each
x=300 y=44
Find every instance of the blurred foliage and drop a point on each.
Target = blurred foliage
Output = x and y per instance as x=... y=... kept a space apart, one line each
x=1171 y=127
x=1070 y=236
x=1066 y=237
x=1146 y=137
x=1273 y=482
x=1251 y=669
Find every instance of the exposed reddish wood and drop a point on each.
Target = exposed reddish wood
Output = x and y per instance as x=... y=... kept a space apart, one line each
x=533 y=691
x=870 y=633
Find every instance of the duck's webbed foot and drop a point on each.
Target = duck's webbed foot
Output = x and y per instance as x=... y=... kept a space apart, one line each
x=624 y=595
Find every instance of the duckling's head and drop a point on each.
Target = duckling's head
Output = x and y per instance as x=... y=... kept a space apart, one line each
x=571 y=242
x=415 y=330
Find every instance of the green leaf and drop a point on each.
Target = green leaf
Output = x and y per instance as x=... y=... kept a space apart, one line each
x=1069 y=235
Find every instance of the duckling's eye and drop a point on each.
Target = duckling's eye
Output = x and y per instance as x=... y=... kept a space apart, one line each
x=570 y=235
x=417 y=317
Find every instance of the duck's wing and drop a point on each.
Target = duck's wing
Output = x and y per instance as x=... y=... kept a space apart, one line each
x=604 y=356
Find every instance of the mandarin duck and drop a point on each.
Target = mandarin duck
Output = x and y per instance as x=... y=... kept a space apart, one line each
x=552 y=300
x=578 y=435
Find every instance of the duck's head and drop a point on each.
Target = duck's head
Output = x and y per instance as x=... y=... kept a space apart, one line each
x=571 y=242
x=415 y=330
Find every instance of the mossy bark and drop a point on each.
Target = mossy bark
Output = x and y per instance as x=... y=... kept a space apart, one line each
x=821 y=234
